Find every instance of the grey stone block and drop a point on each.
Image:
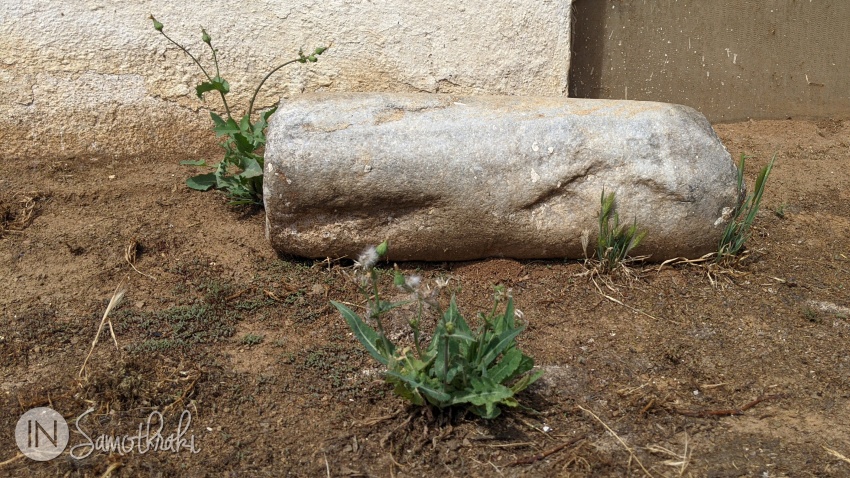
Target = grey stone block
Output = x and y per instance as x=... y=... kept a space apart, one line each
x=456 y=178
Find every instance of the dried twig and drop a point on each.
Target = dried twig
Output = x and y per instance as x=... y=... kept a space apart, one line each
x=12 y=460
x=113 y=302
x=612 y=299
x=712 y=268
x=727 y=412
x=327 y=466
x=386 y=437
x=18 y=213
x=130 y=256
x=612 y=432
x=680 y=461
x=535 y=458
x=828 y=450
x=535 y=428
x=374 y=421
x=112 y=467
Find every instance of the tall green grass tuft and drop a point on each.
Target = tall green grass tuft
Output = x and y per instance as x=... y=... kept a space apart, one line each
x=615 y=240
x=737 y=232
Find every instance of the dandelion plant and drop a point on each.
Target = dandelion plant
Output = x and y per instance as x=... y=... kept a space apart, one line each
x=243 y=140
x=481 y=369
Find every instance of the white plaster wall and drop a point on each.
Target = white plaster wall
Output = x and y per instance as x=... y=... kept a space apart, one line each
x=87 y=78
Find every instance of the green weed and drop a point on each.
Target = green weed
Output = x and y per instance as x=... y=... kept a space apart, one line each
x=251 y=339
x=481 y=369
x=331 y=368
x=179 y=327
x=240 y=173
x=737 y=232
x=811 y=314
x=615 y=240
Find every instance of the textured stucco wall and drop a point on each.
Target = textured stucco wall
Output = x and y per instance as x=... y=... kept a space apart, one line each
x=93 y=79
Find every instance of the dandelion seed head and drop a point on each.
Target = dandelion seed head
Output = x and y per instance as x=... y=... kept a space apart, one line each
x=413 y=282
x=367 y=258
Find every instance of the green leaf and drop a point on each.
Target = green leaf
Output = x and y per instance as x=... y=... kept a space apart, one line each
x=190 y=162
x=202 y=182
x=385 y=306
x=458 y=320
x=526 y=364
x=245 y=126
x=525 y=381
x=484 y=412
x=461 y=336
x=217 y=84
x=485 y=393
x=506 y=367
x=218 y=121
x=250 y=168
x=502 y=343
x=268 y=114
x=404 y=391
x=243 y=143
x=365 y=334
x=228 y=127
x=505 y=321
x=429 y=390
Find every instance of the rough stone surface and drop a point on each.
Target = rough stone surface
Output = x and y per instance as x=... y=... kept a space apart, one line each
x=91 y=78
x=456 y=178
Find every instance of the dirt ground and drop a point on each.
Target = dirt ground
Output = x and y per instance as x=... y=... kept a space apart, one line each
x=669 y=375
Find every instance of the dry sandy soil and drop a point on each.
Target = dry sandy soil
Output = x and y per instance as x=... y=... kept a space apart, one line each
x=680 y=376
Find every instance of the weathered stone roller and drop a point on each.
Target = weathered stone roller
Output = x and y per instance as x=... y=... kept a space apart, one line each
x=458 y=178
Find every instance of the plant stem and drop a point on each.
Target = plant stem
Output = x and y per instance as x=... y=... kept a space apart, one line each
x=445 y=359
x=189 y=54
x=257 y=91
x=416 y=330
x=204 y=70
x=376 y=306
x=218 y=75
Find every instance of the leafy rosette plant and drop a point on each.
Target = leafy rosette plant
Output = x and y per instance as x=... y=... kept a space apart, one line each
x=480 y=368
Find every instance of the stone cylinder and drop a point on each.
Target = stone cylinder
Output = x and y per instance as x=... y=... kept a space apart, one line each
x=448 y=178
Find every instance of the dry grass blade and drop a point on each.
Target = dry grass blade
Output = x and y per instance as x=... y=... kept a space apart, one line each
x=117 y=296
x=374 y=421
x=12 y=460
x=614 y=434
x=618 y=302
x=713 y=270
x=17 y=211
x=836 y=454
x=130 y=256
x=545 y=454
x=111 y=468
x=680 y=461
x=684 y=260
x=327 y=466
